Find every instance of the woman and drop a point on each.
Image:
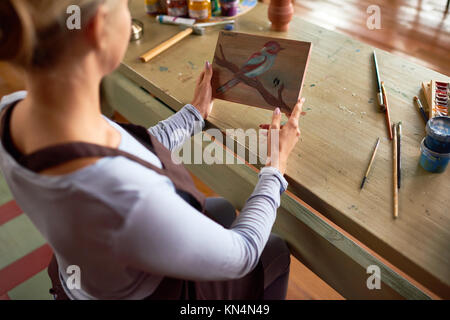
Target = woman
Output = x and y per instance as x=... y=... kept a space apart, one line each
x=107 y=197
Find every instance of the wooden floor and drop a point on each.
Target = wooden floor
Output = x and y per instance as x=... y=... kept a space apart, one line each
x=10 y=79
x=416 y=29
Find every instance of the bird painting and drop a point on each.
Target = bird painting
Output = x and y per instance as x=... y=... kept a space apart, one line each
x=259 y=71
x=258 y=63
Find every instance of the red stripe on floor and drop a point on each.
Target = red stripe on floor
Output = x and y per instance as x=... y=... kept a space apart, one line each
x=4 y=297
x=24 y=268
x=9 y=211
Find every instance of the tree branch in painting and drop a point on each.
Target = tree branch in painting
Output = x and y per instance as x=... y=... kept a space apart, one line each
x=254 y=83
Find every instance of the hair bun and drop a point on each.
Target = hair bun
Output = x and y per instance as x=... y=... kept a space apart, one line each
x=14 y=36
x=10 y=31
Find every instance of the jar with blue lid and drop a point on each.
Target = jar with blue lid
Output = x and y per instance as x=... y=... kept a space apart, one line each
x=438 y=134
x=435 y=148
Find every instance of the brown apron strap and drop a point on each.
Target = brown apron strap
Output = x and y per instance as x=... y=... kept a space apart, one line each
x=56 y=155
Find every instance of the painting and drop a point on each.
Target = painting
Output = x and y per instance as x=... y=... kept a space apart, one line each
x=259 y=71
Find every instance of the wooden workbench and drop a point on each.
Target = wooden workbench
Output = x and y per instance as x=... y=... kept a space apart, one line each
x=335 y=229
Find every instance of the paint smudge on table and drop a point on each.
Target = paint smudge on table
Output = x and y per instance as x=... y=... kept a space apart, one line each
x=163 y=69
x=184 y=77
x=344 y=108
x=192 y=65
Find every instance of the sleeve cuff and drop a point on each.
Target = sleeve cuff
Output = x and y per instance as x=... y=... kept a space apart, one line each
x=193 y=110
x=272 y=171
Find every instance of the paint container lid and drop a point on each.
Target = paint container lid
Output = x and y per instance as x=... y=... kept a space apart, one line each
x=229 y=27
x=439 y=128
x=137 y=30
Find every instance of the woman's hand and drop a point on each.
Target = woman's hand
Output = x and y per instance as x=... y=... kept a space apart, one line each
x=203 y=100
x=283 y=139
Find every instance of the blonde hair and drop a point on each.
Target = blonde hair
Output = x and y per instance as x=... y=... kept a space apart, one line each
x=33 y=32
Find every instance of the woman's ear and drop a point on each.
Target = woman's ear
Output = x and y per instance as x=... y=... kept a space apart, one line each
x=95 y=28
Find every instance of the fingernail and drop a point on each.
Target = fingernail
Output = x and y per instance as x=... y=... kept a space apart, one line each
x=277 y=111
x=208 y=64
x=303 y=99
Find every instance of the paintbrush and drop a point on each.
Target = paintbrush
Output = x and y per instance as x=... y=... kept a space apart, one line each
x=379 y=94
x=370 y=163
x=395 y=177
x=421 y=109
x=388 y=117
x=399 y=156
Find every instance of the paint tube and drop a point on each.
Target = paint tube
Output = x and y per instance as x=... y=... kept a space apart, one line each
x=175 y=20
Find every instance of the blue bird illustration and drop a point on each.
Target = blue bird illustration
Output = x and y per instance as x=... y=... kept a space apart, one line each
x=256 y=65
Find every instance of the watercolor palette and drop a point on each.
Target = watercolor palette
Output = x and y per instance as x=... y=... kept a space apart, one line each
x=437 y=95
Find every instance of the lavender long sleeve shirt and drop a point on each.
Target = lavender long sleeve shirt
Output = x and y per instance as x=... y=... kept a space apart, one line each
x=125 y=226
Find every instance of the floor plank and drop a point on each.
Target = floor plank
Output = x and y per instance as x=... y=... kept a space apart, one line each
x=418 y=30
x=306 y=285
x=11 y=79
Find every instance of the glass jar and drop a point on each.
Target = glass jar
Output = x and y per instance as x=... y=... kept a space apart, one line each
x=229 y=7
x=152 y=6
x=177 y=8
x=200 y=10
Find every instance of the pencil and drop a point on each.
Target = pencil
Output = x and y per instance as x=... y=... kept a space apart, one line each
x=395 y=173
x=399 y=156
x=421 y=109
x=379 y=94
x=388 y=117
x=370 y=163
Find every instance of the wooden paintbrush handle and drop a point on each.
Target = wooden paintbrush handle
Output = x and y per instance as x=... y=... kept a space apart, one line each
x=388 y=117
x=395 y=164
x=165 y=45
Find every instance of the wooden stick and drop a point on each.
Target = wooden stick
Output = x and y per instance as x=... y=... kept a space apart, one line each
x=146 y=57
x=399 y=155
x=395 y=172
x=370 y=163
x=432 y=111
x=388 y=117
x=426 y=88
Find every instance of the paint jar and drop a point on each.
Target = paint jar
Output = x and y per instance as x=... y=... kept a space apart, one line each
x=163 y=5
x=438 y=134
x=433 y=161
x=215 y=8
x=177 y=8
x=229 y=7
x=200 y=10
x=152 y=6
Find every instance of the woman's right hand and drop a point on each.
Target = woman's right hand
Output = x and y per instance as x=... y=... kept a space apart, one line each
x=282 y=140
x=203 y=100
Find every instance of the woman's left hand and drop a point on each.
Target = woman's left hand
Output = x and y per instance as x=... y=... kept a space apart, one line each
x=203 y=100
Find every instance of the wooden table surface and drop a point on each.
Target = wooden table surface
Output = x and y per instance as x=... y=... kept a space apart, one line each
x=339 y=130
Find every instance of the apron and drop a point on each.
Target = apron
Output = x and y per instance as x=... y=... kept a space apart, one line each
x=250 y=287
